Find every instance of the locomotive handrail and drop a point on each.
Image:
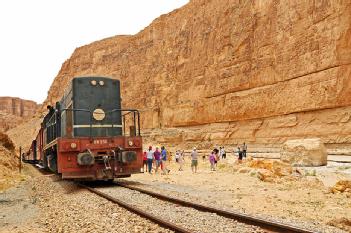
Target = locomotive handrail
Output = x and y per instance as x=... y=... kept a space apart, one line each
x=129 y=111
x=134 y=111
x=50 y=123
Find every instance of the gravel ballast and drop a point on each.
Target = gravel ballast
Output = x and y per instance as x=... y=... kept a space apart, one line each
x=188 y=218
x=69 y=208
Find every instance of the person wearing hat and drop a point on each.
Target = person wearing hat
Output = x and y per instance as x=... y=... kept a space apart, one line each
x=194 y=160
x=150 y=158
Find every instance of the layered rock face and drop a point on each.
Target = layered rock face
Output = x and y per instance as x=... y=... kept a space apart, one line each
x=14 y=110
x=220 y=72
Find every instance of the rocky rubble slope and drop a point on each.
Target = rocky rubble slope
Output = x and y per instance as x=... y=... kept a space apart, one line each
x=223 y=72
x=8 y=163
x=14 y=111
x=25 y=133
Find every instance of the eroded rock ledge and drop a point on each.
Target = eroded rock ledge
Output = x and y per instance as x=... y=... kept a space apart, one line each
x=14 y=111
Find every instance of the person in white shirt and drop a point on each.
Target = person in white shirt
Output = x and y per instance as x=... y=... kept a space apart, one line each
x=194 y=162
x=177 y=154
x=150 y=158
x=223 y=153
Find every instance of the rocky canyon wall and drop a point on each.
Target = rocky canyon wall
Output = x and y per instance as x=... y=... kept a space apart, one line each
x=14 y=111
x=226 y=71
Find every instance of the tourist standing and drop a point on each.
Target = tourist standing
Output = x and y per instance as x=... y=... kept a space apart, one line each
x=240 y=155
x=212 y=159
x=145 y=161
x=244 y=150
x=177 y=154
x=157 y=156
x=216 y=153
x=223 y=153
x=194 y=163
x=164 y=159
x=150 y=158
x=180 y=161
x=170 y=156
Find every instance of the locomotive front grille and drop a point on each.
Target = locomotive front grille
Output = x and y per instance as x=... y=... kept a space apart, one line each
x=129 y=156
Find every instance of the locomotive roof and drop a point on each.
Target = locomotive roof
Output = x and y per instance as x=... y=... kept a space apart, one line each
x=95 y=77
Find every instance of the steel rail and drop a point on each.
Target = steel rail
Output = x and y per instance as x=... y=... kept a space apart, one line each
x=244 y=218
x=139 y=212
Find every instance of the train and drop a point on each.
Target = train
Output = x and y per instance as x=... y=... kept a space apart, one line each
x=87 y=135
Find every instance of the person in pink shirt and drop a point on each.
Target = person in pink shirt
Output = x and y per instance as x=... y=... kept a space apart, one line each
x=157 y=157
x=212 y=158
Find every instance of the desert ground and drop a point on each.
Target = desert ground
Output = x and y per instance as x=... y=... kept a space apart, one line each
x=306 y=197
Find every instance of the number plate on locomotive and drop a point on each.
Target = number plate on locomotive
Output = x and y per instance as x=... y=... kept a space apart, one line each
x=100 y=141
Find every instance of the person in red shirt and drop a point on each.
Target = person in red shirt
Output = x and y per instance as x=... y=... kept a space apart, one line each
x=145 y=161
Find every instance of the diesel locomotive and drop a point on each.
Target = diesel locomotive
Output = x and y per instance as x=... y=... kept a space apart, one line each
x=87 y=136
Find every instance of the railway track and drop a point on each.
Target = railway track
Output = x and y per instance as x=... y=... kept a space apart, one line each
x=264 y=225
x=140 y=212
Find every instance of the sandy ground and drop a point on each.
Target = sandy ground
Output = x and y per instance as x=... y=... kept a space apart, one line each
x=305 y=198
x=45 y=203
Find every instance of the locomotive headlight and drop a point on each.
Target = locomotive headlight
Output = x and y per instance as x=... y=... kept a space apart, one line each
x=73 y=145
x=93 y=82
x=101 y=83
x=130 y=143
x=98 y=114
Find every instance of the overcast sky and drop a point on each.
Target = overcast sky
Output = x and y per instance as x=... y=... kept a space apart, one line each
x=37 y=36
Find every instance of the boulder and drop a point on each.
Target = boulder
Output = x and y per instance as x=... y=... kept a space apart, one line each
x=244 y=170
x=265 y=175
x=304 y=152
x=342 y=186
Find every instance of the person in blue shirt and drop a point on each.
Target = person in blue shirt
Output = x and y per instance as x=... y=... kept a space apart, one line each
x=164 y=160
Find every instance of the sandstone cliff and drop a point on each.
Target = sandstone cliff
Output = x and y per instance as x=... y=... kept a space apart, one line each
x=228 y=71
x=14 y=111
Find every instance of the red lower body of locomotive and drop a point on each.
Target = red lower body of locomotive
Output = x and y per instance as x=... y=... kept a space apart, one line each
x=84 y=158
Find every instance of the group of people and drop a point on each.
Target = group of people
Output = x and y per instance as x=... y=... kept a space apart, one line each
x=179 y=158
x=157 y=158
x=241 y=152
